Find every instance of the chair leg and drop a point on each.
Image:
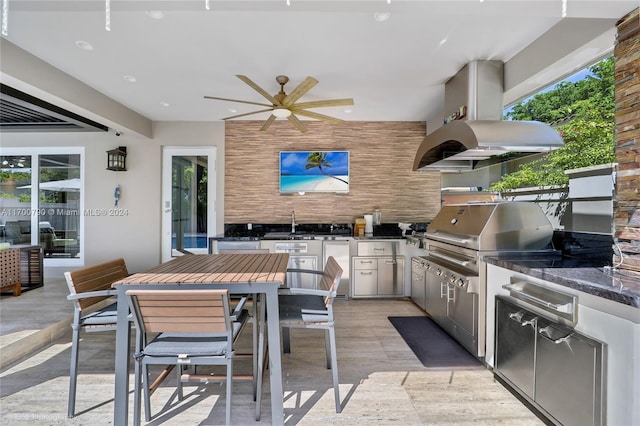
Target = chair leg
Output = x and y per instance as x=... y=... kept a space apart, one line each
x=229 y=388
x=73 y=372
x=286 y=340
x=145 y=387
x=179 y=371
x=327 y=348
x=259 y=373
x=136 y=392
x=334 y=369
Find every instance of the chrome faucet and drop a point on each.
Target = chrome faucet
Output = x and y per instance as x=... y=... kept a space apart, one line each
x=293 y=221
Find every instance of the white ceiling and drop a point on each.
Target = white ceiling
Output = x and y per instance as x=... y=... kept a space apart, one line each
x=394 y=70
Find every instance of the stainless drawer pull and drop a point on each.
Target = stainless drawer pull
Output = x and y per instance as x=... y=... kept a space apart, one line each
x=366 y=273
x=563 y=308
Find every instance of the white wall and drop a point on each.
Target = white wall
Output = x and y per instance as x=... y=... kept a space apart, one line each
x=136 y=236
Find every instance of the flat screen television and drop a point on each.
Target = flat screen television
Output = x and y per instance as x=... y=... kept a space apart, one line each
x=314 y=171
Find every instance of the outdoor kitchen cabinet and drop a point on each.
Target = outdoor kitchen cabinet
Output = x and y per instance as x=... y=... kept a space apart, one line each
x=378 y=271
x=559 y=370
x=378 y=276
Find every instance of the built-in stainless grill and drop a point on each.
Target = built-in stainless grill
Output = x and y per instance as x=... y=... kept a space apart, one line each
x=455 y=274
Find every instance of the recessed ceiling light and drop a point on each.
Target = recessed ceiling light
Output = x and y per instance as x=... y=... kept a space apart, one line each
x=232 y=110
x=443 y=41
x=130 y=78
x=165 y=104
x=155 y=14
x=84 y=45
x=381 y=16
x=347 y=110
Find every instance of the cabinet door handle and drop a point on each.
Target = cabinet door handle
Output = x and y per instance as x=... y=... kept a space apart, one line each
x=451 y=294
x=544 y=332
x=517 y=317
x=366 y=273
x=443 y=290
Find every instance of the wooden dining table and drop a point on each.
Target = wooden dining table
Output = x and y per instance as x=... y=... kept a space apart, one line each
x=240 y=274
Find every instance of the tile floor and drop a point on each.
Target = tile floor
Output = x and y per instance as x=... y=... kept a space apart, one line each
x=381 y=381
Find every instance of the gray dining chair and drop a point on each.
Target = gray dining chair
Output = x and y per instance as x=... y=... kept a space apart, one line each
x=194 y=327
x=89 y=290
x=311 y=308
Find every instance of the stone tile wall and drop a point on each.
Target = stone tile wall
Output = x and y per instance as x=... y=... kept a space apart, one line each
x=381 y=158
x=627 y=195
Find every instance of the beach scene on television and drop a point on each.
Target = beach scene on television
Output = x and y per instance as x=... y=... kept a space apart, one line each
x=314 y=171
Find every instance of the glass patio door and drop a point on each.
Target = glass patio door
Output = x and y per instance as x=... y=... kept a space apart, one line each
x=188 y=200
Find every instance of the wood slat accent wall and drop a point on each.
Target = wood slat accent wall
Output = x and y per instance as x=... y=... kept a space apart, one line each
x=627 y=199
x=381 y=158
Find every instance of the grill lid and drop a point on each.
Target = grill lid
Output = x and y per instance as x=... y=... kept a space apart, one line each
x=492 y=226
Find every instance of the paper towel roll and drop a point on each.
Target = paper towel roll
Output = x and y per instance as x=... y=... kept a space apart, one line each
x=368 y=224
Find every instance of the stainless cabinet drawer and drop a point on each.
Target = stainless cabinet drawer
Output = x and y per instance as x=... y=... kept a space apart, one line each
x=377 y=248
x=365 y=263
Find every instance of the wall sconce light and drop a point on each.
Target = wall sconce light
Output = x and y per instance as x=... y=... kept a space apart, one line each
x=117 y=159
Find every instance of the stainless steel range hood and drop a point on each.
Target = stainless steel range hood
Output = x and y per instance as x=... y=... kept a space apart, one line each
x=479 y=137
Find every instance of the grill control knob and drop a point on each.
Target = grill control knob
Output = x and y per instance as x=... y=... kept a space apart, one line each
x=439 y=272
x=461 y=282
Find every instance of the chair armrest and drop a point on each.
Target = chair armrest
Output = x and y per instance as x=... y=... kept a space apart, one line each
x=314 y=311
x=305 y=271
x=309 y=292
x=88 y=294
x=238 y=308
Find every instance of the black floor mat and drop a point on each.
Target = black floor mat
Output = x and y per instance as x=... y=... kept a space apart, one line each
x=431 y=344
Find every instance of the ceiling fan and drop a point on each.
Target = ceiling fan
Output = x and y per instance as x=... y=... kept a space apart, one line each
x=285 y=106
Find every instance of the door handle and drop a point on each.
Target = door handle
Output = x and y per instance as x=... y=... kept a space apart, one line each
x=517 y=317
x=544 y=332
x=451 y=294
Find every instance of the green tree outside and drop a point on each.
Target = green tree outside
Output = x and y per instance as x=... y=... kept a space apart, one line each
x=583 y=112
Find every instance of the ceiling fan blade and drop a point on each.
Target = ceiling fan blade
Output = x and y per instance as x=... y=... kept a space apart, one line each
x=317 y=116
x=297 y=123
x=297 y=93
x=258 y=89
x=267 y=123
x=248 y=113
x=236 y=100
x=319 y=104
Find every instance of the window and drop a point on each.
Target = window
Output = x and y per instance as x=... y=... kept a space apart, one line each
x=41 y=201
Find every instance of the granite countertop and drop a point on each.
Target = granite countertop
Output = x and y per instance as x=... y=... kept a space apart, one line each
x=580 y=274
